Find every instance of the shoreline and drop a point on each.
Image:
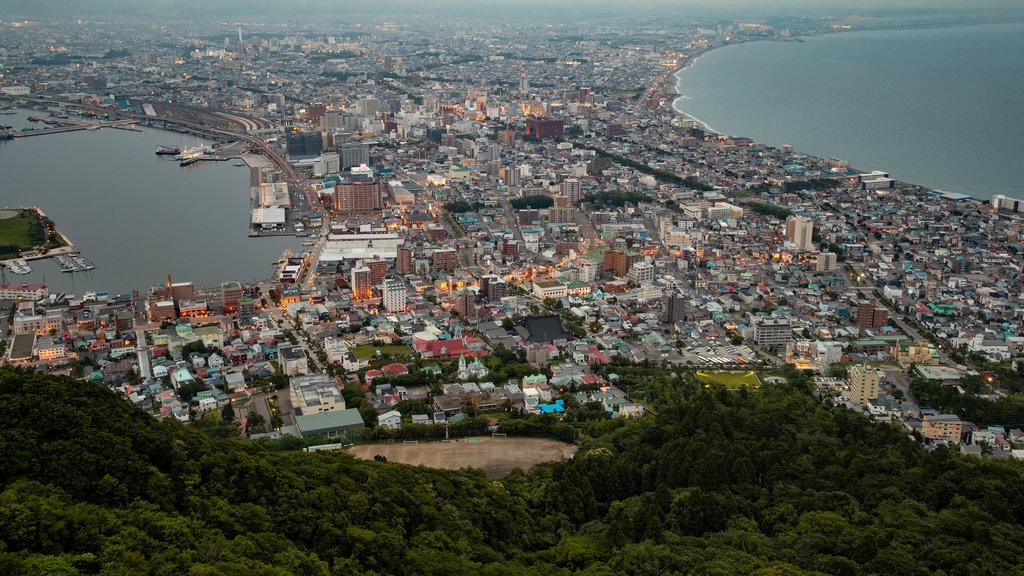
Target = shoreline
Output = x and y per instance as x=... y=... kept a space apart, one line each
x=677 y=97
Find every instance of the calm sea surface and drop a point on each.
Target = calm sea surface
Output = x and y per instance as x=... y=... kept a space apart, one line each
x=138 y=217
x=940 y=107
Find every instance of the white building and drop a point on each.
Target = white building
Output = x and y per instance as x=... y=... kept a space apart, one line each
x=863 y=384
x=550 y=289
x=641 y=273
x=771 y=332
x=800 y=231
x=395 y=295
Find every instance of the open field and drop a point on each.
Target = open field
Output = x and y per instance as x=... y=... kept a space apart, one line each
x=369 y=350
x=730 y=379
x=14 y=230
x=496 y=456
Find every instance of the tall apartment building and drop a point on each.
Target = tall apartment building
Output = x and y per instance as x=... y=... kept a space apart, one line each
x=465 y=303
x=445 y=259
x=356 y=194
x=863 y=384
x=562 y=211
x=800 y=231
x=362 y=287
x=496 y=290
x=395 y=295
x=827 y=262
x=673 y=308
x=571 y=189
x=871 y=315
x=507 y=138
x=354 y=154
x=404 y=260
x=618 y=262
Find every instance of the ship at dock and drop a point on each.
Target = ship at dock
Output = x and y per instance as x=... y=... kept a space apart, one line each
x=70 y=263
x=192 y=155
x=162 y=150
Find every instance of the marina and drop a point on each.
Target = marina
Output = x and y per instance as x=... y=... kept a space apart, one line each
x=19 y=266
x=70 y=263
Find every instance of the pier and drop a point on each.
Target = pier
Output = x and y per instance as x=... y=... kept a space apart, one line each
x=120 y=124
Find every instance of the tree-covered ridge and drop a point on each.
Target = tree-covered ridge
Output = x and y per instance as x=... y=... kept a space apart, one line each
x=712 y=481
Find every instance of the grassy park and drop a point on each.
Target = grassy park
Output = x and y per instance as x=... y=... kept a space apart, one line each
x=370 y=350
x=23 y=229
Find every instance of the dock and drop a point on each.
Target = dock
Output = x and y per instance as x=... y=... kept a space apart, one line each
x=74 y=262
x=71 y=127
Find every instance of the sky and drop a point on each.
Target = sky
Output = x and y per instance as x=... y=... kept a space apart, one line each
x=566 y=9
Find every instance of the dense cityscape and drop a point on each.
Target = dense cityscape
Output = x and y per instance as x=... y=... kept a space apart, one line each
x=505 y=221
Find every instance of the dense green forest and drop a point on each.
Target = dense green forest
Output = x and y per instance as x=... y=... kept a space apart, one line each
x=711 y=481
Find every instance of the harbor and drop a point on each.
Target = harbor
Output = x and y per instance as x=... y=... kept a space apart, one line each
x=73 y=262
x=18 y=266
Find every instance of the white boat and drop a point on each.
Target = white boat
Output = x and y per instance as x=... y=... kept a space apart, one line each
x=19 y=266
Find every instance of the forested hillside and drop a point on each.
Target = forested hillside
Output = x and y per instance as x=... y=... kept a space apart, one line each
x=711 y=482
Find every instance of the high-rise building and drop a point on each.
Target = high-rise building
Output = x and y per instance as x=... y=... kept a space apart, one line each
x=497 y=289
x=673 y=308
x=618 y=262
x=378 y=269
x=772 y=332
x=641 y=273
x=394 y=297
x=445 y=259
x=801 y=231
x=871 y=315
x=362 y=287
x=571 y=189
x=545 y=128
x=326 y=163
x=303 y=144
x=524 y=81
x=354 y=154
x=863 y=384
x=358 y=194
x=465 y=303
x=507 y=138
x=562 y=211
x=510 y=176
x=404 y=261
x=827 y=262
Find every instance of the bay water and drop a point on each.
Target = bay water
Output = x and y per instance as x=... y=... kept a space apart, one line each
x=135 y=215
x=939 y=107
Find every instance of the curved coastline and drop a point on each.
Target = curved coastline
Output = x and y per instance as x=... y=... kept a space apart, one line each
x=679 y=107
x=679 y=96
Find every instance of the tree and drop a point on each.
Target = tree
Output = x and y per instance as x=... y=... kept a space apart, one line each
x=227 y=414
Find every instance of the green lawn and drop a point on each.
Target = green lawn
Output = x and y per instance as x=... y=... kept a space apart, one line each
x=14 y=231
x=369 y=350
x=730 y=379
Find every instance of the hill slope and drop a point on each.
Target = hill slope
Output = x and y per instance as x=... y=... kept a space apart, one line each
x=751 y=482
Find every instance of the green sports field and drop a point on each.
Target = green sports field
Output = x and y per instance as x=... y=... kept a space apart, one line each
x=730 y=379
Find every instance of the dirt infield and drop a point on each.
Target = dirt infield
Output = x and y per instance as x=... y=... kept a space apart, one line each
x=496 y=456
x=5 y=214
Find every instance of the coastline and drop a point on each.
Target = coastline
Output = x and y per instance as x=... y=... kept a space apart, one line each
x=678 y=96
x=675 y=98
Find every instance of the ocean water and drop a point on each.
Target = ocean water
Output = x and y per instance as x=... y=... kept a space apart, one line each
x=942 y=108
x=135 y=215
